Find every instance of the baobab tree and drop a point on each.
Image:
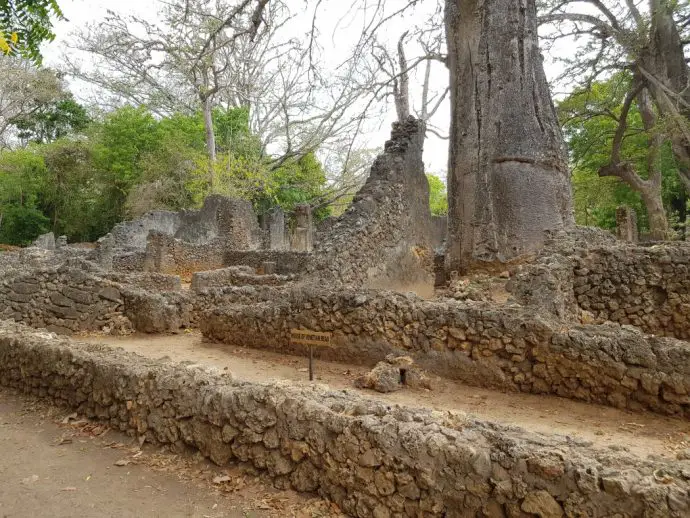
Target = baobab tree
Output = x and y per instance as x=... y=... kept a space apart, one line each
x=508 y=176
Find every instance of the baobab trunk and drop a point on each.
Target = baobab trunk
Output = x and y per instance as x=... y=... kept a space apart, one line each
x=507 y=174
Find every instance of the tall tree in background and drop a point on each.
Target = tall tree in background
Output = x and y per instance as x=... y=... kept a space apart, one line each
x=647 y=39
x=25 y=24
x=508 y=174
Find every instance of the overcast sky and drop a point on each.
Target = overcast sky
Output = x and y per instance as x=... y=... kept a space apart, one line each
x=338 y=33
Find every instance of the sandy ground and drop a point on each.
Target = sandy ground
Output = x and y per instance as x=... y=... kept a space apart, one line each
x=642 y=434
x=56 y=465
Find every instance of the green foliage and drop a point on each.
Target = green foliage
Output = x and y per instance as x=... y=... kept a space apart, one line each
x=590 y=119
x=25 y=24
x=21 y=181
x=438 y=195
x=22 y=224
x=51 y=121
x=80 y=181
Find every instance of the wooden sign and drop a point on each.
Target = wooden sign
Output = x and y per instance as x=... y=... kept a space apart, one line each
x=310 y=338
x=305 y=337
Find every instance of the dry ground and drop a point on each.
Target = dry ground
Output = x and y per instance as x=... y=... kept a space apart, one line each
x=54 y=465
x=642 y=434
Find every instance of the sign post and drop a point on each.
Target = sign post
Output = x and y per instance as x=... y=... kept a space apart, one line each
x=310 y=338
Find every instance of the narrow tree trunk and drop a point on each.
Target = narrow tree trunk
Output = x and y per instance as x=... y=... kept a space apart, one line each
x=658 y=224
x=508 y=175
x=210 y=139
x=668 y=80
x=402 y=93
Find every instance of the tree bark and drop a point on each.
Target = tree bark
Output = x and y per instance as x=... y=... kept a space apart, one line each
x=668 y=78
x=210 y=139
x=507 y=172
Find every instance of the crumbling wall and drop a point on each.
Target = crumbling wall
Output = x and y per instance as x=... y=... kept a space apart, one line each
x=66 y=299
x=382 y=240
x=372 y=460
x=237 y=276
x=477 y=343
x=648 y=287
x=166 y=254
x=644 y=286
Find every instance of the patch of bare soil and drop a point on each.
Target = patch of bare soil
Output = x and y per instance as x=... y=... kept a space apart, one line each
x=642 y=434
x=55 y=464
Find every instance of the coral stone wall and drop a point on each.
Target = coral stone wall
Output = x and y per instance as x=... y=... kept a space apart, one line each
x=644 y=286
x=64 y=299
x=383 y=240
x=648 y=287
x=372 y=460
x=504 y=347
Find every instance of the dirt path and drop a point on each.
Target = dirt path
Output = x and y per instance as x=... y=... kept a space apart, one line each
x=643 y=434
x=57 y=469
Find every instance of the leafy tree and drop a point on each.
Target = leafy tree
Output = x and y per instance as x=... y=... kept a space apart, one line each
x=438 y=196
x=25 y=24
x=51 y=121
x=648 y=181
x=21 y=180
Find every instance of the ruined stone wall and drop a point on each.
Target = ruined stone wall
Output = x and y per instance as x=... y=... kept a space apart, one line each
x=166 y=254
x=65 y=299
x=648 y=287
x=372 y=460
x=645 y=287
x=477 y=343
x=286 y=262
x=439 y=230
x=236 y=276
x=383 y=239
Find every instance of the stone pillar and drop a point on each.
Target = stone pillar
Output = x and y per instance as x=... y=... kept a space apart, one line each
x=61 y=242
x=626 y=224
x=45 y=241
x=106 y=252
x=275 y=223
x=303 y=234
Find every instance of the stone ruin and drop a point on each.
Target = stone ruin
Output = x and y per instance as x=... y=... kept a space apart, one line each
x=590 y=318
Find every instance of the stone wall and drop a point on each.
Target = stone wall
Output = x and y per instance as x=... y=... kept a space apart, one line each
x=66 y=299
x=439 y=231
x=236 y=276
x=383 y=239
x=644 y=286
x=372 y=460
x=166 y=254
x=477 y=343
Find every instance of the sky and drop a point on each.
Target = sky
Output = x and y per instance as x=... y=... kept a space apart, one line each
x=339 y=27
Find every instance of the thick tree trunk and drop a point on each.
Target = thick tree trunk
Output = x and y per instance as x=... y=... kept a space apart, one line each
x=210 y=139
x=507 y=172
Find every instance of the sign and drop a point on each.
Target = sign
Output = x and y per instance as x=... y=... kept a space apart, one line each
x=310 y=338
x=305 y=337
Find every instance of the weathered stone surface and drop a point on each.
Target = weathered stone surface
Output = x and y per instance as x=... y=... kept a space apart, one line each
x=383 y=239
x=508 y=347
x=330 y=441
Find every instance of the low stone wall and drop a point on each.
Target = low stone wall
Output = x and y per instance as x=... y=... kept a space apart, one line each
x=165 y=254
x=65 y=299
x=648 y=287
x=150 y=281
x=287 y=262
x=236 y=276
x=477 y=343
x=372 y=460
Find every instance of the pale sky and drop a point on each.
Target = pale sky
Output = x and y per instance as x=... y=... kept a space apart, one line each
x=80 y=12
